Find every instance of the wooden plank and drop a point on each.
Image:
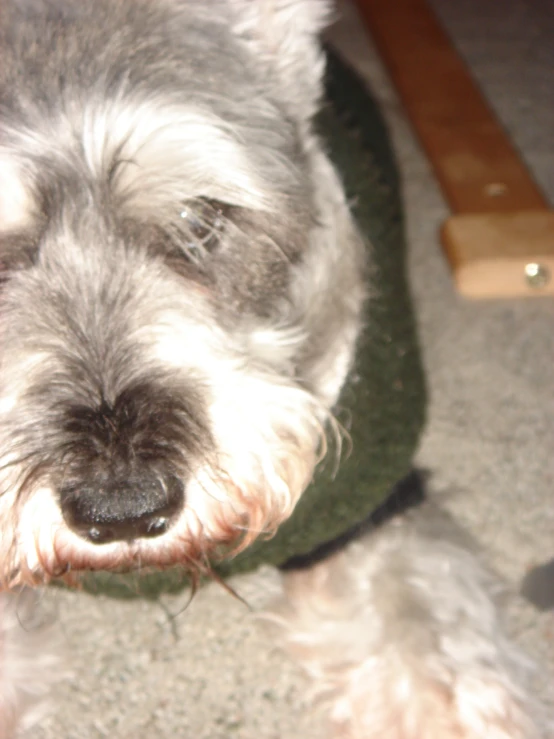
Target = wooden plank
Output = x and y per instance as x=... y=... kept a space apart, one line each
x=476 y=164
x=478 y=168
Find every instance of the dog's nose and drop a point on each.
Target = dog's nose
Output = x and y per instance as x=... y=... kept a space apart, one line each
x=122 y=510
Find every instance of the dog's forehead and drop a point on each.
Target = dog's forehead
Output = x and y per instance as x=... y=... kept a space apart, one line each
x=183 y=102
x=59 y=57
x=152 y=124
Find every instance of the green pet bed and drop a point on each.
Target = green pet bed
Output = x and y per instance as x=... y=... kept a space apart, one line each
x=383 y=405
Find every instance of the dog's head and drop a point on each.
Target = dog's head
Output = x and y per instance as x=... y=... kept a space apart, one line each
x=180 y=279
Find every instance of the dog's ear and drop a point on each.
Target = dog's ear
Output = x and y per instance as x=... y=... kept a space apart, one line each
x=284 y=37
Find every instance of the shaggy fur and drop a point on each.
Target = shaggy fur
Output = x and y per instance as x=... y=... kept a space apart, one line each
x=403 y=639
x=181 y=293
x=183 y=283
x=30 y=660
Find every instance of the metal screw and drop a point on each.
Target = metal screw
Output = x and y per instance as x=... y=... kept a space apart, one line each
x=537 y=275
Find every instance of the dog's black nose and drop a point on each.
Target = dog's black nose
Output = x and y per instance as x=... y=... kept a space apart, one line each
x=122 y=510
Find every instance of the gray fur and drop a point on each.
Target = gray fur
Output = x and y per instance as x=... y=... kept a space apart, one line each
x=167 y=201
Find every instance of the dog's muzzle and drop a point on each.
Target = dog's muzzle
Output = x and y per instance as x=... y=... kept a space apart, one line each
x=121 y=470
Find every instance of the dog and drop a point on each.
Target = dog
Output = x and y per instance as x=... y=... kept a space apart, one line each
x=183 y=287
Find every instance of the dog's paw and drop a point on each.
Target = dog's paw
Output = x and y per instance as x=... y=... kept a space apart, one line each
x=403 y=641
x=390 y=697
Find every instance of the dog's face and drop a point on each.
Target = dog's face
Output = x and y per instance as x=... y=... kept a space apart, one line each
x=181 y=280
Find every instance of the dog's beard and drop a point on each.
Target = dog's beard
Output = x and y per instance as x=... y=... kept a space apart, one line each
x=267 y=437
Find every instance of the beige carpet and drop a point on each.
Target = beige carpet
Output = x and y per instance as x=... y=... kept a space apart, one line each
x=144 y=671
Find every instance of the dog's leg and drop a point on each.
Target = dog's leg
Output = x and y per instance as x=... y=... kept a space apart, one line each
x=29 y=660
x=402 y=638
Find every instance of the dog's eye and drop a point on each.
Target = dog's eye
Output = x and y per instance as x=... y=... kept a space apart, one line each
x=19 y=258
x=203 y=223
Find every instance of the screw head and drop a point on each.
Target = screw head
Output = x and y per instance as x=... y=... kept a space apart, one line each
x=537 y=275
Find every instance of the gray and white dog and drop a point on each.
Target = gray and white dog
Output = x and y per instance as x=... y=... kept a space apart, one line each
x=182 y=287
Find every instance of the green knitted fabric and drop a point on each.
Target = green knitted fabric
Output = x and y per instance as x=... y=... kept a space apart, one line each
x=383 y=405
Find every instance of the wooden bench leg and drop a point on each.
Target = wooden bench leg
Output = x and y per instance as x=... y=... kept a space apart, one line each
x=500 y=238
